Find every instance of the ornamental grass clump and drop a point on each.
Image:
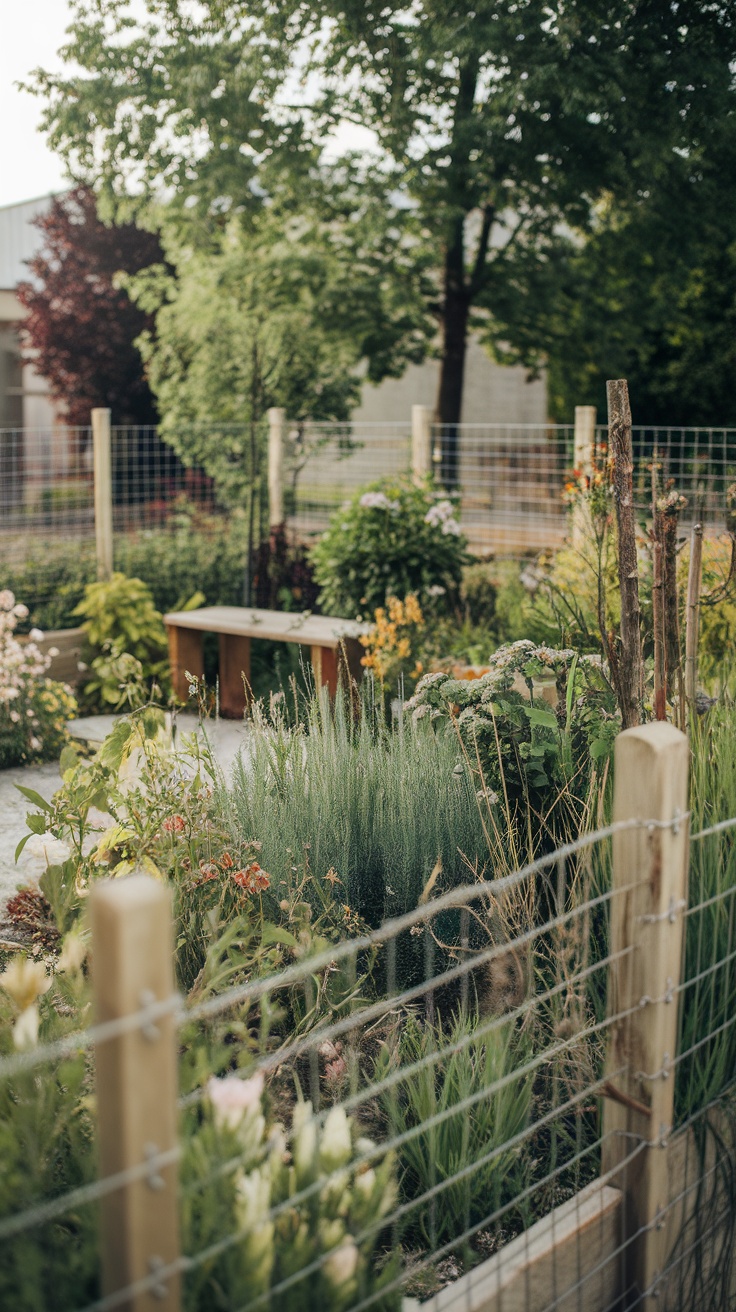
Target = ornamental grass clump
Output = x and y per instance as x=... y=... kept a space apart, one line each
x=391 y=540
x=33 y=708
x=369 y=806
x=460 y=1086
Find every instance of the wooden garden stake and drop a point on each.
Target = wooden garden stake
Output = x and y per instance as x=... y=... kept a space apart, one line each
x=694 y=577
x=102 y=463
x=650 y=864
x=657 y=604
x=136 y=1079
x=629 y=665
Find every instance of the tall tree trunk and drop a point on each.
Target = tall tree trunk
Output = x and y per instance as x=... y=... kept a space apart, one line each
x=455 y=312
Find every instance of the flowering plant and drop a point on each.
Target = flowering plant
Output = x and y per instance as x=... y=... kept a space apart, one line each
x=393 y=539
x=391 y=647
x=33 y=708
x=308 y=1201
x=532 y=731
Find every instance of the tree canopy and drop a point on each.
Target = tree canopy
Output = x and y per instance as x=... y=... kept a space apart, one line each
x=495 y=123
x=81 y=326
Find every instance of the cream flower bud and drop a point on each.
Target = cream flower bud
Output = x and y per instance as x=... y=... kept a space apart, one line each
x=304 y=1147
x=253 y=1198
x=340 y=1266
x=233 y=1098
x=25 y=980
x=336 y=1145
x=25 y=1031
x=73 y=953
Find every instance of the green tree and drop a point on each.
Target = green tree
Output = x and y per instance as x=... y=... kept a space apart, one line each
x=649 y=295
x=523 y=108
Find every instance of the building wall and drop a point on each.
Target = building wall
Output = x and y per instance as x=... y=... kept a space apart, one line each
x=24 y=396
x=493 y=394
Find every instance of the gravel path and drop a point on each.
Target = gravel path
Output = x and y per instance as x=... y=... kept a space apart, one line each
x=13 y=809
x=228 y=737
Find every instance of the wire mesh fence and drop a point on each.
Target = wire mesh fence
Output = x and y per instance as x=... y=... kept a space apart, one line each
x=438 y=1112
x=509 y=482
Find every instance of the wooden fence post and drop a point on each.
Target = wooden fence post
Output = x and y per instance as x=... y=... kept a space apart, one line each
x=421 y=441
x=102 y=457
x=583 y=459
x=276 y=419
x=650 y=868
x=136 y=1080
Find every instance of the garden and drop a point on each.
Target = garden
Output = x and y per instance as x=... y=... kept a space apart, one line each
x=394 y=922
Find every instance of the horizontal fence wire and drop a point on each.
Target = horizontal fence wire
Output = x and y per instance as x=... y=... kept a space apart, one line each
x=507 y=480
x=548 y=1044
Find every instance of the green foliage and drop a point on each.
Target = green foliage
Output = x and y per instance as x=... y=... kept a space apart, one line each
x=707 y=1032
x=127 y=641
x=391 y=540
x=345 y=1201
x=343 y=794
x=458 y=1064
x=647 y=297
x=541 y=142
x=536 y=732
x=47 y=1145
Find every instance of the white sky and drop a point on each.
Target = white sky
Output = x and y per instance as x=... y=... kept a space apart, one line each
x=31 y=32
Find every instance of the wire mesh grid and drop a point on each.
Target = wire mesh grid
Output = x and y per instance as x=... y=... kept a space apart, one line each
x=327 y=463
x=435 y=1091
x=509 y=480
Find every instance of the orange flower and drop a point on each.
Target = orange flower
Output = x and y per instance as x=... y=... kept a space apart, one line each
x=175 y=824
x=226 y=861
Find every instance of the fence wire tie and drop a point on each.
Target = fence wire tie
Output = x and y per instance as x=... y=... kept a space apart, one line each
x=670 y=914
x=160 y=1289
x=662 y=1074
x=154 y=1179
x=667 y=996
x=150 y=1031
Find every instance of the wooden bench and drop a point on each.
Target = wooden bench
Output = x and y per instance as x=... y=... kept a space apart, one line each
x=334 y=647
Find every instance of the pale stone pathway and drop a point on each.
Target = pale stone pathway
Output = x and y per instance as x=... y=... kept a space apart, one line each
x=228 y=738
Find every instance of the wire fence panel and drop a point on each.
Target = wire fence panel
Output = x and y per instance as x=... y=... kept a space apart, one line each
x=509 y=480
x=327 y=463
x=434 y=1095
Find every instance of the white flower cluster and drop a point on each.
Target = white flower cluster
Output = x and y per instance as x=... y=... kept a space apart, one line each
x=20 y=663
x=348 y=1198
x=442 y=516
x=378 y=501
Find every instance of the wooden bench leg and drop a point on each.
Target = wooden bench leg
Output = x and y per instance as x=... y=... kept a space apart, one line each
x=234 y=674
x=185 y=654
x=325 y=666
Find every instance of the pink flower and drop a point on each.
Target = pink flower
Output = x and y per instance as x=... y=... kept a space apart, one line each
x=233 y=1098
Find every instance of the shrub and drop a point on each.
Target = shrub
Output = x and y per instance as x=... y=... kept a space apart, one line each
x=33 y=709
x=536 y=731
x=126 y=639
x=389 y=541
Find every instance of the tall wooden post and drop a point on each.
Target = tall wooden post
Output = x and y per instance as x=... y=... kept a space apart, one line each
x=583 y=460
x=102 y=455
x=694 y=583
x=647 y=915
x=421 y=441
x=629 y=664
x=276 y=420
x=136 y=1078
